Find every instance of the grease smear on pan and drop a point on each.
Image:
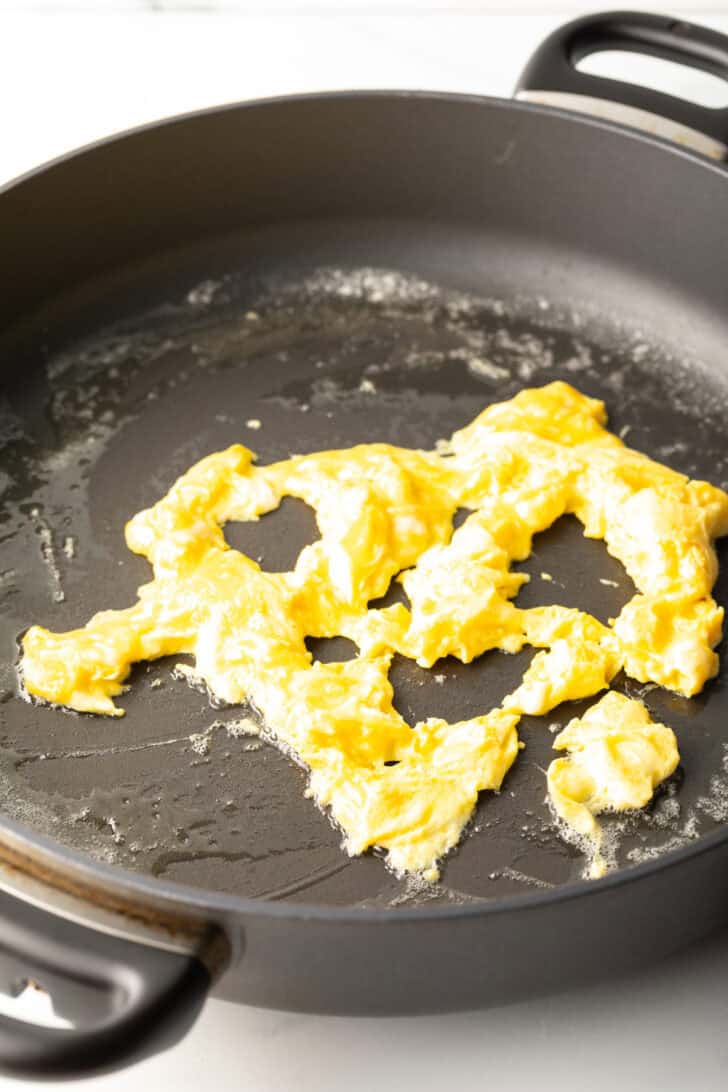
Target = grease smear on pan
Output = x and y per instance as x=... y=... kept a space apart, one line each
x=386 y=513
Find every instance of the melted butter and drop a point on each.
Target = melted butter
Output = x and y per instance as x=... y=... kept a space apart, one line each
x=386 y=512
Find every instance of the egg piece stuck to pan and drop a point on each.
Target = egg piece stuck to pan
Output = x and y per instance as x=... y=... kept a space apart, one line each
x=616 y=758
x=386 y=513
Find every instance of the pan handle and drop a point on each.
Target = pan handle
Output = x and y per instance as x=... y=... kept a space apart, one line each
x=550 y=77
x=122 y=1000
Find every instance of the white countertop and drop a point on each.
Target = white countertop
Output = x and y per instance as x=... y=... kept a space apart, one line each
x=75 y=71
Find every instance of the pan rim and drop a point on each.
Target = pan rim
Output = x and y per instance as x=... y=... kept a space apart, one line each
x=375 y=94
x=136 y=888
x=39 y=848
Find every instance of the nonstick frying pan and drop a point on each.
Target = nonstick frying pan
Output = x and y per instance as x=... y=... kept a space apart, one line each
x=300 y=274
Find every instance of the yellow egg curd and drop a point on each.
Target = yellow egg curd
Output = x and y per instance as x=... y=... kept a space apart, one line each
x=616 y=757
x=386 y=513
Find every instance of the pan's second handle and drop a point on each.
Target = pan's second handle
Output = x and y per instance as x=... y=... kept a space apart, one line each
x=551 y=76
x=121 y=1000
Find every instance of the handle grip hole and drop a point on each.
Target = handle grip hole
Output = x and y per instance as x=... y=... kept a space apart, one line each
x=33 y=1004
x=670 y=77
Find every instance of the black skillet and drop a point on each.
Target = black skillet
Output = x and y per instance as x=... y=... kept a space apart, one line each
x=341 y=268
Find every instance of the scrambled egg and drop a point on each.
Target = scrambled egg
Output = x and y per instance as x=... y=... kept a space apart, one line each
x=386 y=513
x=616 y=757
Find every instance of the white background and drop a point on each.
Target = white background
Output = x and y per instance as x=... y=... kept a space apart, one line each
x=71 y=72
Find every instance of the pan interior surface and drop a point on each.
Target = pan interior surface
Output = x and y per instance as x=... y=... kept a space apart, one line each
x=368 y=337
